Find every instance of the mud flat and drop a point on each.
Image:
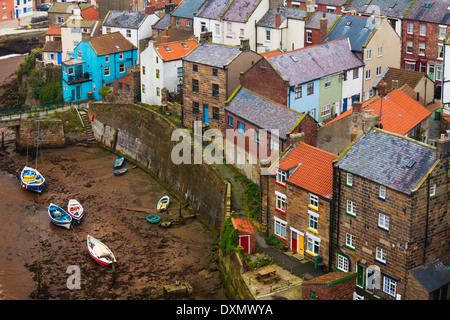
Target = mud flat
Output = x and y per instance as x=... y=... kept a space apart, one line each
x=148 y=256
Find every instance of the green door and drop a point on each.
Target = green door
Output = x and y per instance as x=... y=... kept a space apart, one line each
x=431 y=71
x=360 y=277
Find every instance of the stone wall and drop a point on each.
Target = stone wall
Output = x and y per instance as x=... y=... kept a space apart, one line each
x=51 y=134
x=145 y=137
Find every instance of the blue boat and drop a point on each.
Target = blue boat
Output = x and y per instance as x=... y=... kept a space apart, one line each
x=119 y=162
x=153 y=218
x=31 y=179
x=59 y=217
x=120 y=172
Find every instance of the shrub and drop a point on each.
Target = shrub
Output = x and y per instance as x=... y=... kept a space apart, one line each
x=229 y=240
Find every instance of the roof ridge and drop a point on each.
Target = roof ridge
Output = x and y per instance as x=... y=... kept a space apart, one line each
x=318 y=149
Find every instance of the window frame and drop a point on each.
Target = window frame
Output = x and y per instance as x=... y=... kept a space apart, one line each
x=349 y=180
x=313 y=221
x=280 y=202
x=380 y=255
x=389 y=286
x=281 y=176
x=313 y=201
x=343 y=263
x=383 y=221
x=382 y=193
x=280 y=228
x=352 y=206
x=350 y=241
x=312 y=242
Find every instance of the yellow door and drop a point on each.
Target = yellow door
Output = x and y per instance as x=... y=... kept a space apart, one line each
x=300 y=244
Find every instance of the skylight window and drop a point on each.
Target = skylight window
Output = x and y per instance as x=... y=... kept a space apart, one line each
x=392 y=5
x=117 y=47
x=185 y=45
x=167 y=48
x=427 y=4
x=294 y=59
x=348 y=23
x=411 y=164
x=368 y=2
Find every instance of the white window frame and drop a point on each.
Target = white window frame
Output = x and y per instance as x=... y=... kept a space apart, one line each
x=421 y=49
x=382 y=192
x=298 y=92
x=368 y=76
x=122 y=68
x=349 y=179
x=440 y=51
x=351 y=208
x=343 y=263
x=410 y=28
x=280 y=201
x=350 y=240
x=368 y=54
x=217 y=29
x=314 y=201
x=327 y=82
x=128 y=33
x=274 y=144
x=308 y=36
x=423 y=29
x=325 y=110
x=107 y=68
x=281 y=174
x=433 y=190
x=106 y=58
x=378 y=71
x=280 y=228
x=381 y=255
x=389 y=286
x=409 y=47
x=229 y=29
x=383 y=221
x=312 y=244
x=380 y=51
x=313 y=222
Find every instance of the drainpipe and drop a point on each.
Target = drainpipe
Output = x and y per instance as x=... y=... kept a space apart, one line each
x=338 y=207
x=426 y=221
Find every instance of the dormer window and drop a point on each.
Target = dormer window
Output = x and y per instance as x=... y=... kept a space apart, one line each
x=281 y=177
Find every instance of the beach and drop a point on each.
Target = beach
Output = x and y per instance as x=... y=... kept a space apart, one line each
x=148 y=256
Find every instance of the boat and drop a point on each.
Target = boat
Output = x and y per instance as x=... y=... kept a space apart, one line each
x=153 y=218
x=163 y=203
x=59 y=216
x=75 y=210
x=120 y=172
x=32 y=180
x=100 y=252
x=119 y=162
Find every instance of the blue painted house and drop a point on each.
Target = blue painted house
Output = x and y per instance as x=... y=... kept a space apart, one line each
x=97 y=63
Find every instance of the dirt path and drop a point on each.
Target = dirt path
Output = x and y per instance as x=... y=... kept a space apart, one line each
x=148 y=256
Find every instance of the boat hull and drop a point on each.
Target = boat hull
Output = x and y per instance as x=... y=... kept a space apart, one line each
x=104 y=261
x=119 y=162
x=163 y=203
x=75 y=210
x=59 y=217
x=153 y=218
x=32 y=180
x=120 y=172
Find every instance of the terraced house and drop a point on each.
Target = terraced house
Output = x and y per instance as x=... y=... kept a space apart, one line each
x=97 y=63
x=391 y=200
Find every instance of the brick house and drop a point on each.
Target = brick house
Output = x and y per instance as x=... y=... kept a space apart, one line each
x=183 y=15
x=391 y=201
x=425 y=28
x=296 y=201
x=429 y=281
x=317 y=25
x=319 y=5
x=330 y=286
x=246 y=234
x=210 y=75
x=252 y=119
x=60 y=12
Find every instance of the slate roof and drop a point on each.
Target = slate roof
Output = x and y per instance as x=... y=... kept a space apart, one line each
x=382 y=157
x=388 y=8
x=354 y=28
x=315 y=62
x=187 y=8
x=240 y=10
x=432 y=275
x=335 y=3
x=263 y=112
x=315 y=169
x=125 y=19
x=111 y=43
x=314 y=21
x=162 y=23
x=212 y=9
x=268 y=20
x=400 y=113
x=212 y=54
x=437 y=12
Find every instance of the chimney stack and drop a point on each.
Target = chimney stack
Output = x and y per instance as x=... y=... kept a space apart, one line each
x=323 y=27
x=310 y=5
x=165 y=38
x=245 y=45
x=382 y=88
x=278 y=18
x=443 y=147
x=357 y=107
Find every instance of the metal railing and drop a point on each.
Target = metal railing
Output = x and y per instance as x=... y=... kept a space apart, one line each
x=29 y=110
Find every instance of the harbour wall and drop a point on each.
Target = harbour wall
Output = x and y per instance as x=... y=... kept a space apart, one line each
x=144 y=136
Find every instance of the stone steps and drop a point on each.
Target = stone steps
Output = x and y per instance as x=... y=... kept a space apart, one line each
x=87 y=126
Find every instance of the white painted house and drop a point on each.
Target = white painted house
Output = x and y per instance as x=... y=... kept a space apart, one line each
x=133 y=25
x=162 y=67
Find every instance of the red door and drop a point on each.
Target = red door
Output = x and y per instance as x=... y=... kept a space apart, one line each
x=244 y=241
x=294 y=246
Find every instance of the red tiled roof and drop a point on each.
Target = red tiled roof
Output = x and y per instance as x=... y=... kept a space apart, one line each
x=272 y=53
x=399 y=112
x=315 y=169
x=176 y=49
x=90 y=13
x=54 y=31
x=242 y=225
x=161 y=4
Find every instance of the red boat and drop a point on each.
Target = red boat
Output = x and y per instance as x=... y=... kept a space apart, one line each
x=99 y=252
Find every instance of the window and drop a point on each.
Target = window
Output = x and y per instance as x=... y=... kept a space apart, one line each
x=241 y=127
x=326 y=110
x=368 y=54
x=195 y=107
x=195 y=68
x=422 y=48
x=78 y=54
x=143 y=70
x=274 y=144
x=107 y=71
x=121 y=56
x=214 y=72
x=280 y=202
x=383 y=221
x=327 y=82
x=241 y=33
x=350 y=241
x=440 y=51
x=229 y=29
x=256 y=136
x=267 y=35
x=389 y=286
x=380 y=255
x=313 y=244
x=308 y=36
x=313 y=221
x=280 y=228
x=343 y=263
x=410 y=28
x=298 y=92
x=409 y=47
x=106 y=59
x=230 y=121
x=411 y=66
x=368 y=74
x=310 y=88
x=157 y=73
x=143 y=88
x=351 y=208
x=349 y=181
x=281 y=175
x=423 y=30
x=379 y=51
x=378 y=71
x=122 y=67
x=128 y=33
x=433 y=190
x=179 y=72
x=215 y=90
x=313 y=201
x=442 y=32
x=439 y=73
x=194 y=85
x=177 y=21
x=70 y=70
x=188 y=23
x=59 y=19
x=203 y=27
x=158 y=92
x=382 y=192
x=355 y=73
x=217 y=29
